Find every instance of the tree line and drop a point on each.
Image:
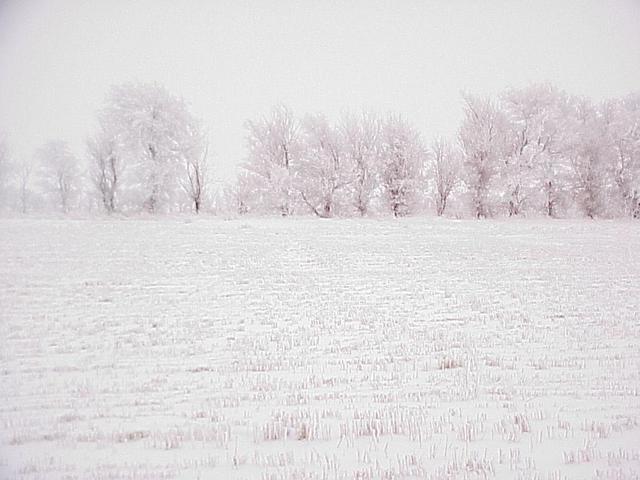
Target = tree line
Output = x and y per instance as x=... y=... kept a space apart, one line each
x=529 y=151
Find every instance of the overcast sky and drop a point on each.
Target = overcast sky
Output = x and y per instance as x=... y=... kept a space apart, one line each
x=233 y=60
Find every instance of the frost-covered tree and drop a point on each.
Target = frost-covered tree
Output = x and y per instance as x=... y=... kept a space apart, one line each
x=587 y=151
x=533 y=150
x=402 y=162
x=106 y=167
x=553 y=168
x=321 y=173
x=240 y=198
x=274 y=149
x=482 y=138
x=154 y=134
x=553 y=174
x=445 y=166
x=531 y=132
x=5 y=163
x=59 y=174
x=623 y=129
x=361 y=136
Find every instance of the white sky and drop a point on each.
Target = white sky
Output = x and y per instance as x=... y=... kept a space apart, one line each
x=233 y=60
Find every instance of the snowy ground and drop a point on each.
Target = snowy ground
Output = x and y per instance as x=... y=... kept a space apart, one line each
x=308 y=349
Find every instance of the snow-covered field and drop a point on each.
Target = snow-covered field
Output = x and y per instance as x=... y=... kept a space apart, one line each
x=307 y=349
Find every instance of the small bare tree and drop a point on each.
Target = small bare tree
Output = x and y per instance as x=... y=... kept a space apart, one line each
x=195 y=181
x=446 y=172
x=23 y=172
x=106 y=168
x=60 y=173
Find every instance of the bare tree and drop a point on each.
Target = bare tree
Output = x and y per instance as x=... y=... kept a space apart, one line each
x=482 y=137
x=274 y=149
x=59 y=173
x=446 y=172
x=403 y=158
x=195 y=182
x=362 y=136
x=106 y=167
x=23 y=175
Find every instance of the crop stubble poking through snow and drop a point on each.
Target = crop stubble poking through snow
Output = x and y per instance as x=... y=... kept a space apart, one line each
x=273 y=350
